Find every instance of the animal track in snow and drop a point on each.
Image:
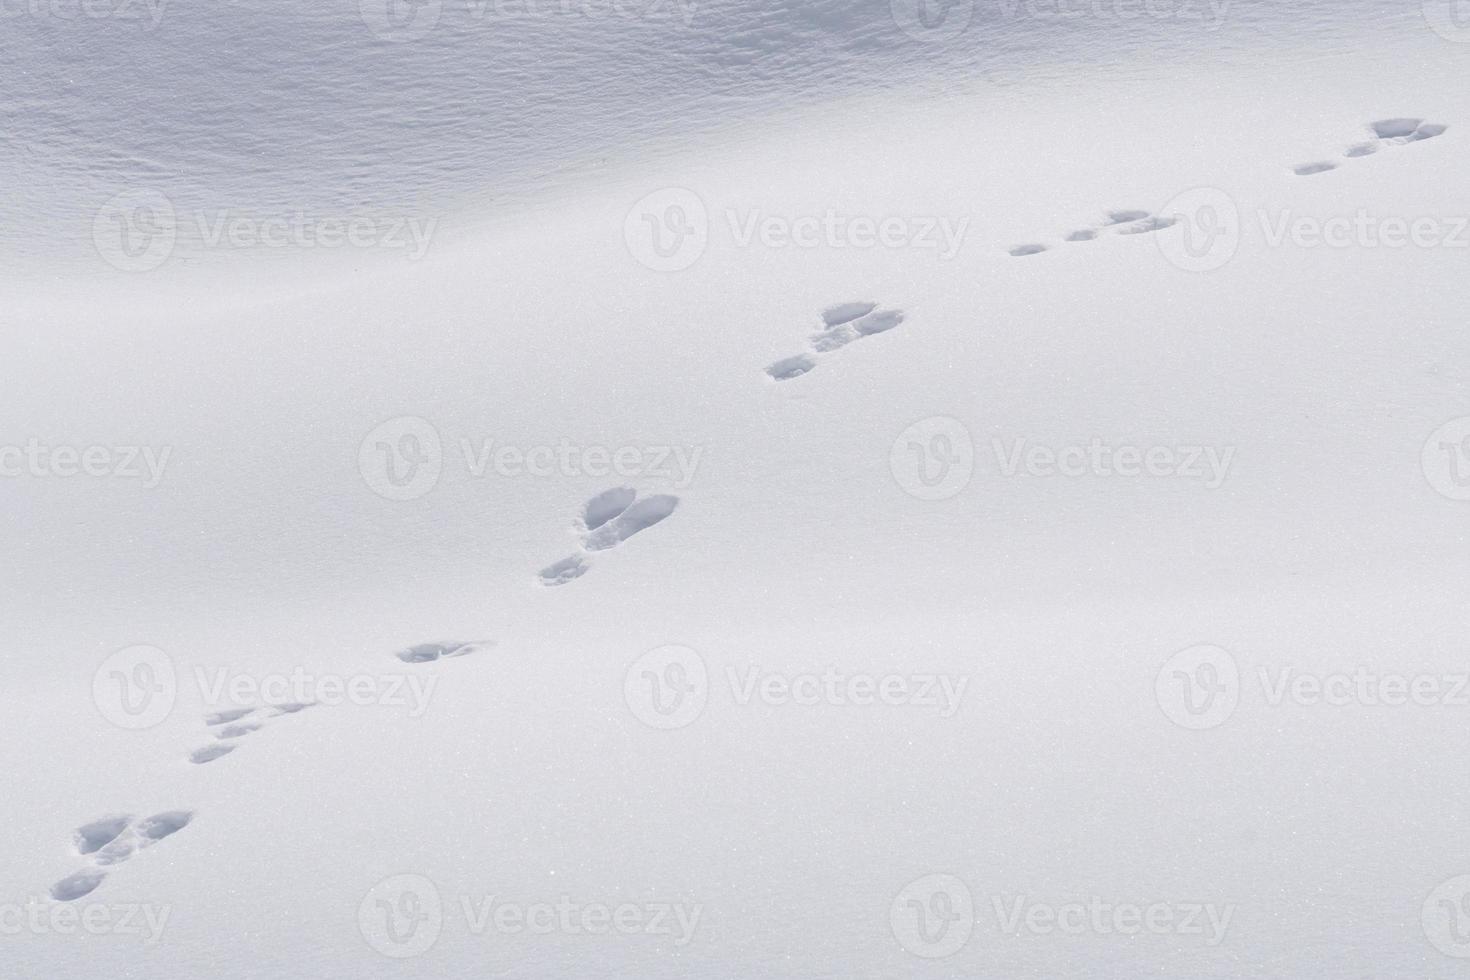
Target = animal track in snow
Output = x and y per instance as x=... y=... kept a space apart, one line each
x=231 y=725
x=73 y=887
x=1386 y=133
x=209 y=753
x=607 y=520
x=425 y=653
x=841 y=325
x=111 y=841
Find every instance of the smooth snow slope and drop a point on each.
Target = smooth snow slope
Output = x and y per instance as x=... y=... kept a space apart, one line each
x=795 y=839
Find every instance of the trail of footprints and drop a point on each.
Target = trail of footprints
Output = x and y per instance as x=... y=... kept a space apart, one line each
x=228 y=727
x=607 y=520
x=1387 y=133
x=112 y=840
x=1125 y=222
x=841 y=325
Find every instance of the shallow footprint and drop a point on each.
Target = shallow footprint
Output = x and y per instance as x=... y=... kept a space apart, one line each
x=1147 y=225
x=1083 y=235
x=209 y=753
x=1021 y=250
x=1125 y=217
x=791 y=367
x=642 y=515
x=1308 y=169
x=165 y=824
x=834 y=316
x=225 y=717
x=237 y=731
x=876 y=323
x=73 y=887
x=93 y=837
x=562 y=572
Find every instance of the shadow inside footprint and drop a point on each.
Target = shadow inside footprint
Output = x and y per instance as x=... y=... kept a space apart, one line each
x=791 y=367
x=238 y=730
x=1021 y=250
x=1083 y=235
x=73 y=887
x=1427 y=132
x=562 y=572
x=209 y=753
x=1125 y=217
x=1388 y=129
x=225 y=717
x=422 y=654
x=642 y=515
x=1361 y=150
x=607 y=505
x=1308 y=169
x=96 y=835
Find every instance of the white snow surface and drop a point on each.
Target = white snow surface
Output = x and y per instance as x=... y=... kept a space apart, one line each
x=531 y=774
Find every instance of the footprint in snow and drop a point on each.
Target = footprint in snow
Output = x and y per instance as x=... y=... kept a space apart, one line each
x=841 y=325
x=1387 y=133
x=607 y=520
x=426 y=653
x=112 y=840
